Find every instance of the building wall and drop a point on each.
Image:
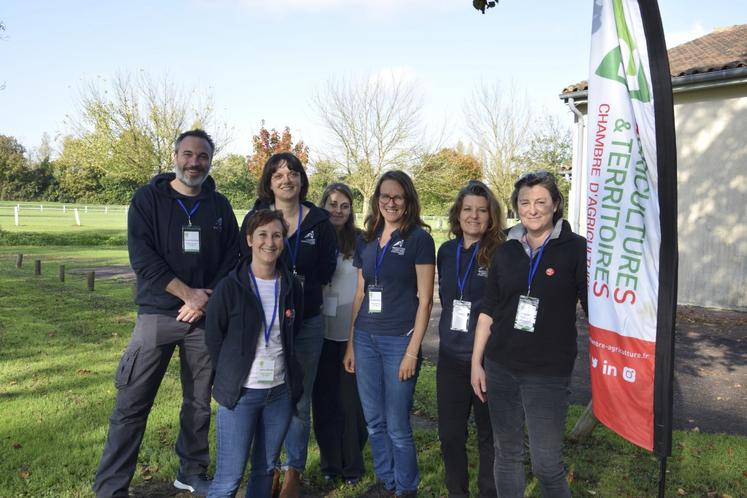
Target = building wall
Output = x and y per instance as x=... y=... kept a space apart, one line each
x=711 y=128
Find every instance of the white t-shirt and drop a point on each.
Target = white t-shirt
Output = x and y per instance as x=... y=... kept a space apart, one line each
x=273 y=350
x=338 y=300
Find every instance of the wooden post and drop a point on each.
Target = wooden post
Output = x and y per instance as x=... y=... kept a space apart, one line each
x=91 y=276
x=37 y=267
x=62 y=273
x=584 y=425
x=19 y=260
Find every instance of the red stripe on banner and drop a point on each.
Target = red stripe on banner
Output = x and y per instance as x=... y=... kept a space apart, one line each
x=622 y=384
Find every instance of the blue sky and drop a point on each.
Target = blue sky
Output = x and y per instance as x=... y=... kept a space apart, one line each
x=264 y=59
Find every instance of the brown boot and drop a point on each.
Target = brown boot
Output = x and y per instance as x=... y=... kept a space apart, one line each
x=291 y=484
x=275 y=483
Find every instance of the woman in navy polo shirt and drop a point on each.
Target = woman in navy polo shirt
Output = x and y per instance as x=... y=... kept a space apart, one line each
x=311 y=255
x=396 y=263
x=476 y=223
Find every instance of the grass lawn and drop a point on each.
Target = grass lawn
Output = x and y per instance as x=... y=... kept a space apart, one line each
x=60 y=344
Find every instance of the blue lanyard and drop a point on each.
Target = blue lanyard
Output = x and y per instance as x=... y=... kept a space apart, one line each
x=294 y=253
x=461 y=282
x=268 y=328
x=380 y=259
x=533 y=267
x=189 y=213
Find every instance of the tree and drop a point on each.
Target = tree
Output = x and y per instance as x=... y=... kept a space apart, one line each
x=373 y=126
x=499 y=125
x=550 y=149
x=233 y=181
x=269 y=142
x=128 y=128
x=325 y=172
x=13 y=166
x=439 y=177
x=78 y=179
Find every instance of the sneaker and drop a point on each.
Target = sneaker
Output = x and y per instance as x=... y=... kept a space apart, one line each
x=352 y=481
x=198 y=484
x=407 y=494
x=378 y=490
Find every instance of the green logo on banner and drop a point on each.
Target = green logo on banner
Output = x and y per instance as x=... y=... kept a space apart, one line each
x=612 y=66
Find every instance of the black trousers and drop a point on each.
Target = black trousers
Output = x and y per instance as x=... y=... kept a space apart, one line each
x=339 y=425
x=137 y=379
x=455 y=400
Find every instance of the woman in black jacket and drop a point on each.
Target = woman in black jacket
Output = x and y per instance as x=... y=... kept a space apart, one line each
x=311 y=254
x=526 y=334
x=250 y=330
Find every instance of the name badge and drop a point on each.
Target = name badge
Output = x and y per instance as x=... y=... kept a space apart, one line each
x=375 y=298
x=460 y=315
x=526 y=313
x=330 y=304
x=266 y=373
x=191 y=239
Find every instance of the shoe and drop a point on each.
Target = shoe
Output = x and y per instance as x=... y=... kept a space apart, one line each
x=408 y=494
x=352 y=481
x=275 y=483
x=291 y=484
x=378 y=490
x=198 y=484
x=330 y=478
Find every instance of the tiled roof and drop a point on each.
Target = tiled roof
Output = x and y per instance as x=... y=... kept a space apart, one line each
x=724 y=48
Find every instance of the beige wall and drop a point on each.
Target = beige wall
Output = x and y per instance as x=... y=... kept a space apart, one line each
x=712 y=196
x=712 y=190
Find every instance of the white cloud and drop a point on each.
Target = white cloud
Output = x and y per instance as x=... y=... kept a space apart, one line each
x=679 y=37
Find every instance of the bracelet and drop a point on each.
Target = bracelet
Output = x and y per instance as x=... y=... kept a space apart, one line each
x=411 y=355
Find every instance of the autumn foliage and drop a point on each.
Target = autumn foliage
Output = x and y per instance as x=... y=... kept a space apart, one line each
x=268 y=142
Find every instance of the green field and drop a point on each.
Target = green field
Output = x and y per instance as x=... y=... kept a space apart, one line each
x=60 y=344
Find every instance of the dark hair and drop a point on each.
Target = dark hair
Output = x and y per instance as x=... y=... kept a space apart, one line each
x=544 y=179
x=348 y=233
x=494 y=235
x=197 y=133
x=262 y=217
x=274 y=163
x=374 y=220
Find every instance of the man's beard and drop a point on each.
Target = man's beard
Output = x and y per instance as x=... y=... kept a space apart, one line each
x=190 y=181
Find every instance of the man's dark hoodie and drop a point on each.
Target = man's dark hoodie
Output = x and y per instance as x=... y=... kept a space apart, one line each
x=317 y=253
x=234 y=324
x=154 y=240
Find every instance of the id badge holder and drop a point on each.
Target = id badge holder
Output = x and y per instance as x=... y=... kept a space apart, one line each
x=329 y=307
x=301 y=279
x=526 y=313
x=191 y=239
x=266 y=372
x=375 y=298
x=460 y=315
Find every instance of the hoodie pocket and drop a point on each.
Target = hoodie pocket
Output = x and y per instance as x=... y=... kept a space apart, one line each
x=126 y=364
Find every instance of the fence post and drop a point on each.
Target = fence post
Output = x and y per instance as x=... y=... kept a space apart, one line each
x=41 y=207
x=37 y=267
x=62 y=273
x=77 y=217
x=15 y=216
x=106 y=209
x=91 y=276
x=64 y=208
x=19 y=260
x=85 y=208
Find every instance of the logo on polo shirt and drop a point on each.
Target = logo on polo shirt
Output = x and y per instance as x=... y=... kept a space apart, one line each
x=218 y=226
x=482 y=271
x=399 y=247
x=309 y=239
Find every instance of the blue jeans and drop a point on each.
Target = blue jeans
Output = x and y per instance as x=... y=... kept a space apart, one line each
x=387 y=403
x=542 y=401
x=258 y=421
x=308 y=344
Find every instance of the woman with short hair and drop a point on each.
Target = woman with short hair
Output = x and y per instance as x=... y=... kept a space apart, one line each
x=526 y=335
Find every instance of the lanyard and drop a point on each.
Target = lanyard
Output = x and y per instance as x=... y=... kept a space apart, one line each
x=294 y=252
x=189 y=213
x=380 y=258
x=461 y=282
x=268 y=328
x=533 y=267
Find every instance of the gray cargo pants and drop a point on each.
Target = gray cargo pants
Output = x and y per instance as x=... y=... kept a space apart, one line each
x=137 y=379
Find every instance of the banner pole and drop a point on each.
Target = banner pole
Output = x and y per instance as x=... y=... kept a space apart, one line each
x=662 y=476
